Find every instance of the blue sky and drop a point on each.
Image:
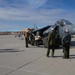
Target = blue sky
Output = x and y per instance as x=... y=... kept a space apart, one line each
x=16 y=15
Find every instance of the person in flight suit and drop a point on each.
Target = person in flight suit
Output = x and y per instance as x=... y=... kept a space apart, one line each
x=26 y=35
x=51 y=42
x=66 y=44
x=32 y=38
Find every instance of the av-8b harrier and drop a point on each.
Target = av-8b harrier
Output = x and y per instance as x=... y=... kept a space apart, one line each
x=60 y=26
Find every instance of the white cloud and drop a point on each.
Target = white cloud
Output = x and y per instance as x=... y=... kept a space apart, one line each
x=36 y=3
x=33 y=16
x=8 y=27
x=30 y=14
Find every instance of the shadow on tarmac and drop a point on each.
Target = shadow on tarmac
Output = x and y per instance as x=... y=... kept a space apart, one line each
x=10 y=50
x=70 y=57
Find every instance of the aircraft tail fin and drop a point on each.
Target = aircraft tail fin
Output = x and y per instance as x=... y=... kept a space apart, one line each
x=35 y=27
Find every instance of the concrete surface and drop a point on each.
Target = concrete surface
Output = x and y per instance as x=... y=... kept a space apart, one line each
x=15 y=59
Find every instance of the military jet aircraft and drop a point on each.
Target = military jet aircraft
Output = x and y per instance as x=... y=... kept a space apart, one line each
x=60 y=26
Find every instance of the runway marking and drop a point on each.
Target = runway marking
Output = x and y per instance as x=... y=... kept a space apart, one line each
x=34 y=72
x=22 y=70
x=7 y=67
x=14 y=69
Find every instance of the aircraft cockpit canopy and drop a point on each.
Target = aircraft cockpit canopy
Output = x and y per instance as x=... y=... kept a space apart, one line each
x=63 y=22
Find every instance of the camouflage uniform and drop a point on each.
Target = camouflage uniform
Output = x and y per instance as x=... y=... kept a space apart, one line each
x=26 y=38
x=66 y=45
x=51 y=43
x=32 y=39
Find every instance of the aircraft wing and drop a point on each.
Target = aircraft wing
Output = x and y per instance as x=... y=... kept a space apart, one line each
x=41 y=30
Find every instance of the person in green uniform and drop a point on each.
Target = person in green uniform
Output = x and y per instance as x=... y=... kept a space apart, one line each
x=32 y=38
x=26 y=35
x=66 y=44
x=51 y=42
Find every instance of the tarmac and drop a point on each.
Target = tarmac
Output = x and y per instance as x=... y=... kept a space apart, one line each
x=16 y=59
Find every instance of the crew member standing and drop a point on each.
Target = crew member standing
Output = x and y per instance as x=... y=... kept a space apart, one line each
x=32 y=38
x=66 y=44
x=51 y=42
x=26 y=35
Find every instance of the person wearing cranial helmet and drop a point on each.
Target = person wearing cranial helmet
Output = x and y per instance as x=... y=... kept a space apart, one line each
x=66 y=44
x=51 y=42
x=66 y=31
x=52 y=28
